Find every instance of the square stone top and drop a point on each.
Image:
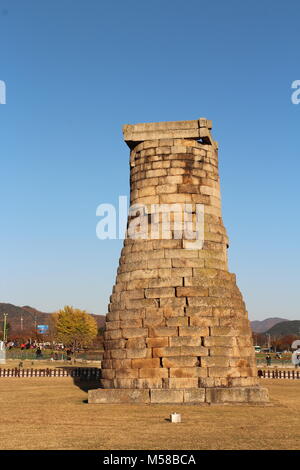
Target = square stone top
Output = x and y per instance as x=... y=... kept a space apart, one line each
x=196 y=129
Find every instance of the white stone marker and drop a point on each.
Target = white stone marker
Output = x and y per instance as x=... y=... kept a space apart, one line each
x=2 y=353
x=175 y=418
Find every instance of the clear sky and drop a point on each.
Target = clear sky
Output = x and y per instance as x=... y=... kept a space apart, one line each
x=77 y=70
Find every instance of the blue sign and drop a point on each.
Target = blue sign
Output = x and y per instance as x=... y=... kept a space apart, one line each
x=42 y=329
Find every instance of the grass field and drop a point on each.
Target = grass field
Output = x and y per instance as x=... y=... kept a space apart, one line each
x=53 y=414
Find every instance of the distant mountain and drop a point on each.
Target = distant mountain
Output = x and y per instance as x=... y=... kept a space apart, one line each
x=290 y=327
x=22 y=317
x=31 y=309
x=261 y=326
x=27 y=317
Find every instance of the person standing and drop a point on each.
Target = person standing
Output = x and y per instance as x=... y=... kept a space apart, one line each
x=38 y=352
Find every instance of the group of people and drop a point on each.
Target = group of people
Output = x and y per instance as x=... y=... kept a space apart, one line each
x=36 y=347
x=55 y=355
x=26 y=345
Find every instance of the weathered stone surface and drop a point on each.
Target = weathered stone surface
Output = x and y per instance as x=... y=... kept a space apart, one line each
x=214 y=361
x=164 y=331
x=191 y=292
x=185 y=341
x=219 y=341
x=203 y=321
x=132 y=323
x=213 y=382
x=180 y=351
x=177 y=321
x=153 y=373
x=194 y=395
x=124 y=383
x=136 y=343
x=176 y=317
x=221 y=351
x=106 y=383
x=179 y=253
x=134 y=332
x=160 y=292
x=145 y=363
x=151 y=383
x=166 y=396
x=180 y=361
x=169 y=282
x=181 y=383
x=224 y=331
x=155 y=321
x=120 y=363
x=237 y=395
x=173 y=303
x=126 y=373
x=105 y=396
x=222 y=372
x=193 y=331
x=187 y=263
x=186 y=372
x=243 y=381
x=108 y=374
x=135 y=353
x=157 y=342
x=213 y=395
x=201 y=311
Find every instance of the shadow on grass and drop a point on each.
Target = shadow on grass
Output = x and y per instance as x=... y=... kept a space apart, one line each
x=85 y=384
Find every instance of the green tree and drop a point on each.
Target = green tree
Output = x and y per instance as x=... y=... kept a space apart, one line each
x=73 y=327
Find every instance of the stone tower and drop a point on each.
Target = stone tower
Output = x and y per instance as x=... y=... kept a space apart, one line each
x=177 y=328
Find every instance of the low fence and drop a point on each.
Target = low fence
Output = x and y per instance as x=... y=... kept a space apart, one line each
x=278 y=374
x=82 y=373
x=94 y=373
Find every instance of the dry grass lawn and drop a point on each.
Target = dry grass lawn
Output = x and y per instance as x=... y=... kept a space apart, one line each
x=52 y=413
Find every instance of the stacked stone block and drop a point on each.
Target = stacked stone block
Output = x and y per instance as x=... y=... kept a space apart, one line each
x=177 y=319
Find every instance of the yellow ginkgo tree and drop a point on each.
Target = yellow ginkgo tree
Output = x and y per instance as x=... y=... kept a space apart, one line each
x=73 y=327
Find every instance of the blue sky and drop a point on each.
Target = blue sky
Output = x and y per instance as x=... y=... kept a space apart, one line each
x=76 y=71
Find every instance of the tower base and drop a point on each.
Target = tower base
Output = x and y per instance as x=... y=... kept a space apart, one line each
x=214 y=395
